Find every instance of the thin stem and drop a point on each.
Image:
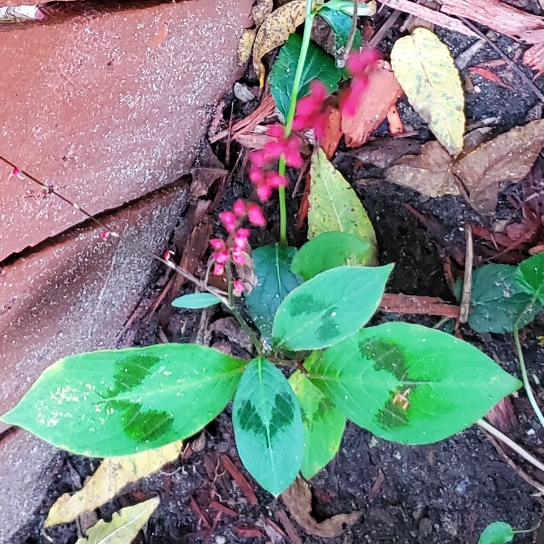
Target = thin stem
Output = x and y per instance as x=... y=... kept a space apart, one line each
x=231 y=305
x=503 y=438
x=308 y=22
x=524 y=374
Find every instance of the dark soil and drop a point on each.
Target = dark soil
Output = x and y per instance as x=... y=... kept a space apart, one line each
x=444 y=493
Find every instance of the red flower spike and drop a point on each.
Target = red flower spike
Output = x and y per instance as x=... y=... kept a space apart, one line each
x=256 y=216
x=229 y=220
x=239 y=208
x=359 y=62
x=221 y=257
x=238 y=257
x=257 y=158
x=256 y=175
x=217 y=244
x=264 y=192
x=218 y=270
x=276 y=131
x=238 y=286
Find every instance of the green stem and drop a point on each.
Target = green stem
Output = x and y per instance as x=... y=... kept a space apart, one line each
x=524 y=374
x=232 y=307
x=308 y=22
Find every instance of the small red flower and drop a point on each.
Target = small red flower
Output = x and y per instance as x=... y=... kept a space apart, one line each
x=239 y=208
x=229 y=220
x=238 y=286
x=218 y=270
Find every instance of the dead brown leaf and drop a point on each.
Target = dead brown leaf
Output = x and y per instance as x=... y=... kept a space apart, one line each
x=427 y=173
x=502 y=416
x=534 y=58
x=383 y=153
x=333 y=132
x=298 y=499
x=203 y=179
x=383 y=92
x=232 y=330
x=507 y=158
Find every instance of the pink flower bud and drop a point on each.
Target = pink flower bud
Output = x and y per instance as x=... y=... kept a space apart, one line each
x=168 y=255
x=359 y=62
x=105 y=235
x=256 y=174
x=17 y=173
x=243 y=233
x=239 y=208
x=229 y=220
x=221 y=257
x=275 y=180
x=257 y=158
x=238 y=257
x=256 y=216
x=264 y=192
x=218 y=270
x=273 y=151
x=276 y=131
x=238 y=286
x=217 y=244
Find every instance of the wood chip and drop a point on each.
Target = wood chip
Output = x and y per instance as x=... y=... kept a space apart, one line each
x=239 y=478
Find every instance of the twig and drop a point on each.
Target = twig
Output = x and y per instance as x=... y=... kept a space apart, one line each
x=391 y=20
x=507 y=59
x=510 y=443
x=341 y=62
x=467 y=284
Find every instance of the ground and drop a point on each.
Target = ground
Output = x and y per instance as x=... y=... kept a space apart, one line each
x=444 y=493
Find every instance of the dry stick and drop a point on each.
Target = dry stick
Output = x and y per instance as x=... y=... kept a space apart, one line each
x=507 y=59
x=341 y=62
x=467 y=284
x=49 y=189
x=503 y=438
x=391 y=20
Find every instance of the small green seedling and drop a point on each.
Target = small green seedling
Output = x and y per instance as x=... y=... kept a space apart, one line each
x=499 y=532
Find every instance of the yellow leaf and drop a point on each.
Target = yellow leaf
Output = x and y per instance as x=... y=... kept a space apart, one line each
x=245 y=45
x=261 y=10
x=124 y=525
x=112 y=475
x=425 y=70
x=334 y=206
x=275 y=30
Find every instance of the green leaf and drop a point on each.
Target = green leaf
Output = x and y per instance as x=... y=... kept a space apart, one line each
x=318 y=65
x=195 y=301
x=329 y=250
x=425 y=70
x=124 y=525
x=323 y=425
x=497 y=300
x=268 y=427
x=275 y=282
x=497 y=532
x=408 y=383
x=329 y=307
x=111 y=403
x=530 y=277
x=340 y=23
x=334 y=206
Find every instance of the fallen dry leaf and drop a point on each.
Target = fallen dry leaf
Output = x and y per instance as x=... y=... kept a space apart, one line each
x=333 y=132
x=203 y=179
x=507 y=158
x=427 y=173
x=124 y=525
x=502 y=416
x=490 y=76
x=245 y=45
x=383 y=153
x=425 y=70
x=261 y=10
x=382 y=93
x=298 y=499
x=111 y=476
x=395 y=122
x=274 y=32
